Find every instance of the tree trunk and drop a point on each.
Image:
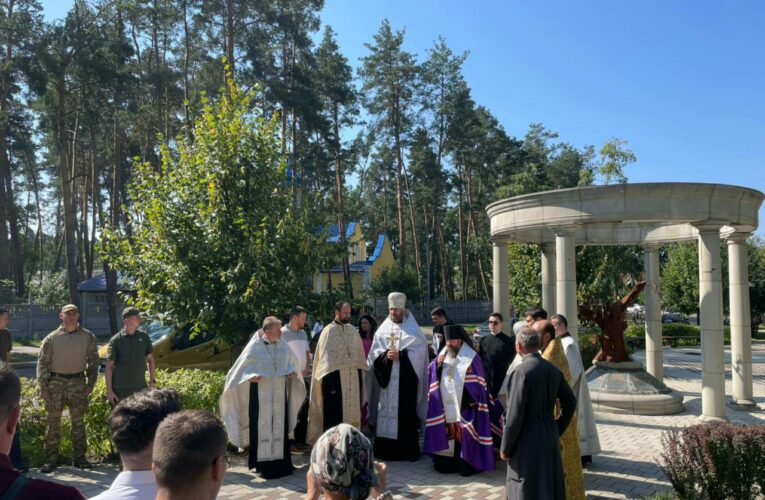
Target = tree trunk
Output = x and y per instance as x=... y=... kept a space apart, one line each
x=415 y=238
x=40 y=234
x=400 y=205
x=443 y=259
x=229 y=36
x=186 y=50
x=14 y=267
x=339 y=199
x=461 y=236
x=70 y=212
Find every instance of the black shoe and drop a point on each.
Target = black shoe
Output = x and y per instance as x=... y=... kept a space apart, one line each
x=586 y=460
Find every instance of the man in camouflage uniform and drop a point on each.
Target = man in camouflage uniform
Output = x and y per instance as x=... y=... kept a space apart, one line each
x=66 y=371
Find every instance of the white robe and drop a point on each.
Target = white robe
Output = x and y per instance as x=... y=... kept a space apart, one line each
x=257 y=359
x=452 y=385
x=383 y=407
x=589 y=443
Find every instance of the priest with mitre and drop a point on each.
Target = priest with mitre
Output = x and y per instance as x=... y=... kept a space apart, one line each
x=261 y=400
x=339 y=367
x=457 y=429
x=398 y=361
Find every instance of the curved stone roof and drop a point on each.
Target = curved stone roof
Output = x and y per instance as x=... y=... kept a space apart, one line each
x=624 y=214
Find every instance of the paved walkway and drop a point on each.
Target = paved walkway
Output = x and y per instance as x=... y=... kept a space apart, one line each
x=627 y=468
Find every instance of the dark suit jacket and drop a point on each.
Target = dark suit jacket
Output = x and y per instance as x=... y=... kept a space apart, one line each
x=531 y=435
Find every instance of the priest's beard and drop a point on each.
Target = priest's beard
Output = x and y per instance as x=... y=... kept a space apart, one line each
x=345 y=321
x=451 y=351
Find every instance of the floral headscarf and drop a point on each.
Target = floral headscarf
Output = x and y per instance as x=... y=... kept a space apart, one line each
x=342 y=461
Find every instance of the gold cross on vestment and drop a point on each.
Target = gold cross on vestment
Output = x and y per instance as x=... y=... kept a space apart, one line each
x=393 y=340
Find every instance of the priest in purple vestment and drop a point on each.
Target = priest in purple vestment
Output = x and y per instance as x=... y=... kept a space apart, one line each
x=458 y=429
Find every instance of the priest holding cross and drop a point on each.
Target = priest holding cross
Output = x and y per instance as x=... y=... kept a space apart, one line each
x=398 y=363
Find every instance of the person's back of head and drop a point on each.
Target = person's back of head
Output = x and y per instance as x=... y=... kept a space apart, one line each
x=439 y=311
x=544 y=328
x=134 y=421
x=190 y=458
x=529 y=340
x=537 y=313
x=342 y=462
x=10 y=409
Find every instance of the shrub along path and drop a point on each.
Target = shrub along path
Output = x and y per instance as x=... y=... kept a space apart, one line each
x=626 y=469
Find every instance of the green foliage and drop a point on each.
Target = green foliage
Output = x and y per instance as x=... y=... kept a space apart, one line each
x=198 y=390
x=7 y=292
x=757 y=278
x=614 y=159
x=606 y=273
x=717 y=461
x=216 y=239
x=525 y=270
x=679 y=281
x=399 y=279
x=51 y=289
x=667 y=330
x=588 y=348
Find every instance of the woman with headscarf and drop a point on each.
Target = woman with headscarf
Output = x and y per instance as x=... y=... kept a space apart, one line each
x=367 y=328
x=343 y=467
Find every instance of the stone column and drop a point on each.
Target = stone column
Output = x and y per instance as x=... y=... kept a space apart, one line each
x=654 y=353
x=548 y=277
x=712 y=342
x=565 y=279
x=740 y=320
x=500 y=280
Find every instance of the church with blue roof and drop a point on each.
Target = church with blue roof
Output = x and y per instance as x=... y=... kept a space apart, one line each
x=364 y=268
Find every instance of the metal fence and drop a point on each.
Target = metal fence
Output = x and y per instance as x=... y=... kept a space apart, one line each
x=471 y=311
x=35 y=321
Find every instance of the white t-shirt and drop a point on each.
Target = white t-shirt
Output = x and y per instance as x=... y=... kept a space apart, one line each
x=298 y=342
x=131 y=485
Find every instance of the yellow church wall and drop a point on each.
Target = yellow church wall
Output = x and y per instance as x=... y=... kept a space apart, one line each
x=357 y=252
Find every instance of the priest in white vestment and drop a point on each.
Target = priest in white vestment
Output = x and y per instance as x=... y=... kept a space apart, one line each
x=589 y=443
x=398 y=364
x=339 y=367
x=261 y=399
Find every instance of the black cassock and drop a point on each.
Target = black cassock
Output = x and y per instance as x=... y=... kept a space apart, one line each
x=407 y=446
x=332 y=404
x=271 y=469
x=497 y=352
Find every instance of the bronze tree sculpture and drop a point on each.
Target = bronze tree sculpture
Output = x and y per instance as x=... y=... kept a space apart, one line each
x=610 y=319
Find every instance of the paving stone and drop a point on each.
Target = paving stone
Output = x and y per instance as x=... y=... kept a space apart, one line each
x=627 y=467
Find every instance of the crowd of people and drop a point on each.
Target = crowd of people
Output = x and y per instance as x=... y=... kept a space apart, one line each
x=350 y=395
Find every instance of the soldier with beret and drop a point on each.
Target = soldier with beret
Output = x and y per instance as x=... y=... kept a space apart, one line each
x=66 y=371
x=130 y=351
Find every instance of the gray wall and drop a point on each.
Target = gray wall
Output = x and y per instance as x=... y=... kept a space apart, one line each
x=37 y=320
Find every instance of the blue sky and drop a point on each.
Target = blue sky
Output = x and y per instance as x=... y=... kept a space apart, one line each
x=682 y=81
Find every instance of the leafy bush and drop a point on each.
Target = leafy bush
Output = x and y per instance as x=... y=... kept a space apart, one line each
x=675 y=330
x=198 y=390
x=588 y=347
x=715 y=461
x=667 y=330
